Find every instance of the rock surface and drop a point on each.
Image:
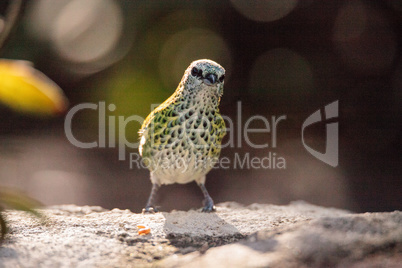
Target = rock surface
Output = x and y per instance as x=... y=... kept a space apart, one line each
x=297 y=235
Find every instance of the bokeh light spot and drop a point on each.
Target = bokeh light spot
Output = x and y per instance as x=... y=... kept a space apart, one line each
x=351 y=22
x=281 y=72
x=41 y=17
x=131 y=92
x=85 y=35
x=364 y=39
x=87 y=30
x=264 y=10
x=189 y=45
x=55 y=186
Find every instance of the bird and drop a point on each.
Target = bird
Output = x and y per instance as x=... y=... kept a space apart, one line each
x=180 y=140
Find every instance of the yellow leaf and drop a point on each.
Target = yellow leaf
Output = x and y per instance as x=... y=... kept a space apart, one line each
x=27 y=90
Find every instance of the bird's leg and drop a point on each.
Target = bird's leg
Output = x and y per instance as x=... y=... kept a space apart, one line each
x=150 y=207
x=208 y=202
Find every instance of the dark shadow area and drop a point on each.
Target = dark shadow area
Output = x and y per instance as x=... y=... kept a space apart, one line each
x=6 y=252
x=181 y=232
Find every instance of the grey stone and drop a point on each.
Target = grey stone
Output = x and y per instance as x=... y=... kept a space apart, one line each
x=296 y=235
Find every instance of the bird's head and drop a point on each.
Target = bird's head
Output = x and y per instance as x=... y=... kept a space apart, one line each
x=203 y=79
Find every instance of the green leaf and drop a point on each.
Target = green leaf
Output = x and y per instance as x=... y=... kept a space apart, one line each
x=14 y=200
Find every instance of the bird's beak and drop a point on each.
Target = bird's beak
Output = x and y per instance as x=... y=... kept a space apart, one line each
x=210 y=79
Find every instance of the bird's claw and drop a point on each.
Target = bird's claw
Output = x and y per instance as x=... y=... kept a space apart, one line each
x=209 y=208
x=149 y=210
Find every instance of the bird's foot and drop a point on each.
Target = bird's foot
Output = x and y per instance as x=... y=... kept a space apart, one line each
x=149 y=210
x=208 y=202
x=208 y=206
x=208 y=209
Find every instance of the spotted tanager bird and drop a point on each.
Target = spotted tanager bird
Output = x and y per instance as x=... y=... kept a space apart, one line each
x=181 y=139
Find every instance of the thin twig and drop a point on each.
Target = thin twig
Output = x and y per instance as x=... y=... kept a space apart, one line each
x=12 y=14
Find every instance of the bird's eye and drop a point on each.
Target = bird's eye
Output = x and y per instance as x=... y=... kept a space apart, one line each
x=195 y=72
x=222 y=78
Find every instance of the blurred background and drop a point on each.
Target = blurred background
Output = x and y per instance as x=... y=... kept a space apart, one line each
x=282 y=57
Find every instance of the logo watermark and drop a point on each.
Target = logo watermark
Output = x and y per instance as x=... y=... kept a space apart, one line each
x=331 y=145
x=238 y=135
x=239 y=161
